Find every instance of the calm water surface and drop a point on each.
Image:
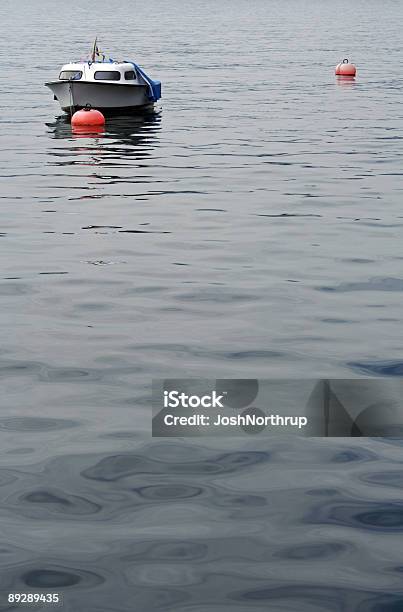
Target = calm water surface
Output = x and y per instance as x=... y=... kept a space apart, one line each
x=250 y=227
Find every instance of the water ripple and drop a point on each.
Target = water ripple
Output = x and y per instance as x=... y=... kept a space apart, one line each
x=116 y=467
x=374 y=516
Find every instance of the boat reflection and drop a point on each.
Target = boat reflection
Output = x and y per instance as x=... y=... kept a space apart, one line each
x=122 y=137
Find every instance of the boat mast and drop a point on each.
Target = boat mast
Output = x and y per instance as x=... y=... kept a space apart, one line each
x=94 y=49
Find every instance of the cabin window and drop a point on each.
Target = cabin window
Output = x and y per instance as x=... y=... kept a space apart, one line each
x=70 y=75
x=107 y=75
x=130 y=75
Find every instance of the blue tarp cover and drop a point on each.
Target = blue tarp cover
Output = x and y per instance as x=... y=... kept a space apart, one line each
x=154 y=87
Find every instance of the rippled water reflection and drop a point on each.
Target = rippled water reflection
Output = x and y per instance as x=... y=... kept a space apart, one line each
x=250 y=227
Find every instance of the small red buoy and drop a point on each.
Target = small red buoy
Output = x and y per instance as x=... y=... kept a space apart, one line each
x=87 y=116
x=346 y=69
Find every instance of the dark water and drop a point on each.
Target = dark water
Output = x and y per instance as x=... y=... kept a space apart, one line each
x=250 y=227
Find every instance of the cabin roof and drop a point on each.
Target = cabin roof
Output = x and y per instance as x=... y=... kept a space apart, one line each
x=98 y=66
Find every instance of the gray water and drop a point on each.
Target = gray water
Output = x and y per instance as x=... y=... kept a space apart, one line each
x=250 y=227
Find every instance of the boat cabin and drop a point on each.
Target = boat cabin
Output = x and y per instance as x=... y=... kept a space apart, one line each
x=110 y=72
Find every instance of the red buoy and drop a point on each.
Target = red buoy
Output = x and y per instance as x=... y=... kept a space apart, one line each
x=346 y=69
x=87 y=116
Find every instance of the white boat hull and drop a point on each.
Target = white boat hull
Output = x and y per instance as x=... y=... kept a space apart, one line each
x=108 y=97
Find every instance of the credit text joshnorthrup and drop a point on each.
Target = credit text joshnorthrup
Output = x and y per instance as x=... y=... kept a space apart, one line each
x=175 y=399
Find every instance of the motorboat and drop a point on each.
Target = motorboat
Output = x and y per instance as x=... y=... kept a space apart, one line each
x=105 y=84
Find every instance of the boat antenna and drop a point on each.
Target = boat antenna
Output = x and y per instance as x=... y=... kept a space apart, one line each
x=94 y=50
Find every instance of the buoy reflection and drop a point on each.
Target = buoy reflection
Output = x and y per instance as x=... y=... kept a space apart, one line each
x=87 y=131
x=345 y=81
